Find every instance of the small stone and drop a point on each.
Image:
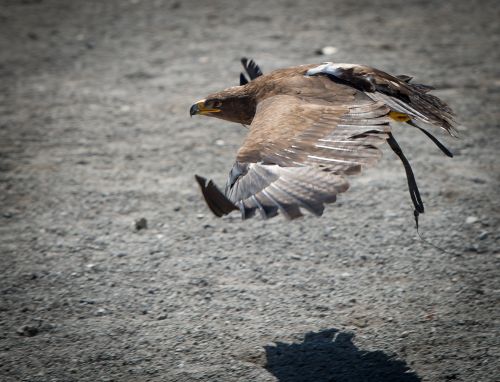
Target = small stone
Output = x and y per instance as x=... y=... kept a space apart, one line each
x=405 y=334
x=162 y=317
x=220 y=142
x=100 y=312
x=483 y=235
x=478 y=180
x=327 y=51
x=141 y=223
x=472 y=248
x=471 y=220
x=27 y=331
x=7 y=215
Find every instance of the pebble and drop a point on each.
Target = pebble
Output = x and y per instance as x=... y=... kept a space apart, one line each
x=327 y=51
x=471 y=220
x=141 y=223
x=472 y=248
x=483 y=235
x=100 y=312
x=27 y=331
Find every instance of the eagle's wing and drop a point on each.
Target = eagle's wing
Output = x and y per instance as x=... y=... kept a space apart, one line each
x=297 y=154
x=251 y=68
x=397 y=92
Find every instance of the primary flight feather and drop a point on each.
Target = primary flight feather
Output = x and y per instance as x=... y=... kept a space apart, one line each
x=309 y=127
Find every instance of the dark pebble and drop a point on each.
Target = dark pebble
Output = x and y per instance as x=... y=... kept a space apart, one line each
x=27 y=331
x=141 y=223
x=483 y=235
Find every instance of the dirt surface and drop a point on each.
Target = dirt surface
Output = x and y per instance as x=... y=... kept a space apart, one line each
x=95 y=135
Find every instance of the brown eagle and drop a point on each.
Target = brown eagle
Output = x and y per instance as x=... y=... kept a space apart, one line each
x=309 y=127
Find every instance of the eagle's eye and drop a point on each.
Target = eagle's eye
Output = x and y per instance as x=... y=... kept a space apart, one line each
x=213 y=103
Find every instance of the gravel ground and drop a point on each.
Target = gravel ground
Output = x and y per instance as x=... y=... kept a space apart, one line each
x=95 y=135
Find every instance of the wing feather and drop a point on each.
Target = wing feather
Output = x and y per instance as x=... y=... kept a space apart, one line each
x=251 y=68
x=397 y=92
x=297 y=154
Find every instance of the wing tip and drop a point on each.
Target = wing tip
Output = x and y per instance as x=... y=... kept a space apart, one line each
x=216 y=201
x=200 y=180
x=243 y=79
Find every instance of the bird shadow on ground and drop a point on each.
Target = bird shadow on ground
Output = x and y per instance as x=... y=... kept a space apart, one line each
x=330 y=356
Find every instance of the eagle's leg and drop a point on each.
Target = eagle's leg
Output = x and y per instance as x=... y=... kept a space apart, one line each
x=412 y=183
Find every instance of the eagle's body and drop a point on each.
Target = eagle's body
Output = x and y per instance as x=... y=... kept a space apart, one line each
x=309 y=127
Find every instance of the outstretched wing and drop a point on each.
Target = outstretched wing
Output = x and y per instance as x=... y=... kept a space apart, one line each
x=396 y=92
x=297 y=154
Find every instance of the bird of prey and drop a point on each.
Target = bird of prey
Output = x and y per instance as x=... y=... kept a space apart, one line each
x=311 y=126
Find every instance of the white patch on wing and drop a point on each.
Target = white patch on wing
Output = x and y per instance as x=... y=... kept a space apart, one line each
x=329 y=68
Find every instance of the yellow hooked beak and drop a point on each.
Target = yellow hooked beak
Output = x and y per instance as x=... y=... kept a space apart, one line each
x=200 y=108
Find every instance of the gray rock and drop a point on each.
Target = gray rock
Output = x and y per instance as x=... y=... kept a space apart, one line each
x=101 y=312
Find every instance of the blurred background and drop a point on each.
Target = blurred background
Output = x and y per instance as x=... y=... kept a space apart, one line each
x=112 y=267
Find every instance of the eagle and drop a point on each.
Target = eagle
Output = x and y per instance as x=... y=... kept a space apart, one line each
x=311 y=126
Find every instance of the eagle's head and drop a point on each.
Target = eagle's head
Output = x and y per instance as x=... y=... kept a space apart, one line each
x=234 y=104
